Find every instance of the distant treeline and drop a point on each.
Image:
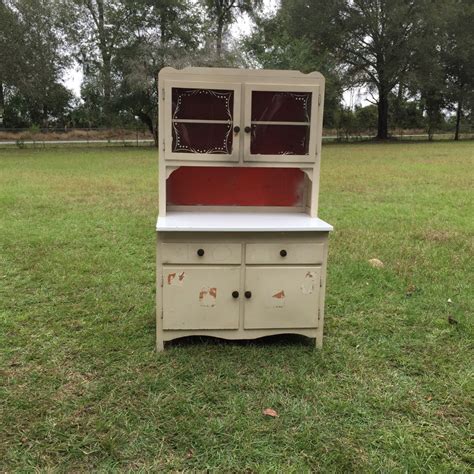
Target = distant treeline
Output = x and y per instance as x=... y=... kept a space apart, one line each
x=415 y=58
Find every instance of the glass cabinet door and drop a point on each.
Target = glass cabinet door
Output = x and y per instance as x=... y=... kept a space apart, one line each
x=280 y=122
x=202 y=121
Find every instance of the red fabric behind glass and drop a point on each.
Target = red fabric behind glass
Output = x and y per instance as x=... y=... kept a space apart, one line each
x=202 y=138
x=205 y=104
x=279 y=140
x=271 y=106
x=219 y=186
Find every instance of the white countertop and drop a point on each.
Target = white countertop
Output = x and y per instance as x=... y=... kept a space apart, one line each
x=240 y=222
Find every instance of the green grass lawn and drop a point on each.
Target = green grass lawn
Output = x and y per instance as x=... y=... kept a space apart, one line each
x=81 y=387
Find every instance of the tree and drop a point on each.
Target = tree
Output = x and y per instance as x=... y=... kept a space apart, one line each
x=97 y=29
x=426 y=79
x=297 y=38
x=376 y=46
x=169 y=35
x=222 y=14
x=457 y=56
x=365 y=42
x=441 y=75
x=32 y=75
x=131 y=41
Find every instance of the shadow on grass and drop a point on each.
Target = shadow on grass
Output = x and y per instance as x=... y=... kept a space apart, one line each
x=266 y=341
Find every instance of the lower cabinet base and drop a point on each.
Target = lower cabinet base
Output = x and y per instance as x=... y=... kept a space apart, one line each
x=240 y=285
x=167 y=336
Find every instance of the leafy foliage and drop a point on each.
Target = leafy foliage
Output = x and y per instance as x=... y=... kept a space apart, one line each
x=221 y=14
x=413 y=57
x=32 y=60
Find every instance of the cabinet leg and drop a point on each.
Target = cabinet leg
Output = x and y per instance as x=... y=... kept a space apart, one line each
x=319 y=341
x=160 y=345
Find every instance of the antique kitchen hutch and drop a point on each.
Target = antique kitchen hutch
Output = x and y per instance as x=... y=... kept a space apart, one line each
x=241 y=253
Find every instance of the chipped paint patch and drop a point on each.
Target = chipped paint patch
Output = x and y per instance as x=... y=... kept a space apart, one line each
x=280 y=295
x=278 y=299
x=309 y=283
x=175 y=279
x=208 y=297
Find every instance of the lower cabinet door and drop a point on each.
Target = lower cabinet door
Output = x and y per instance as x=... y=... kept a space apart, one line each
x=200 y=297
x=281 y=297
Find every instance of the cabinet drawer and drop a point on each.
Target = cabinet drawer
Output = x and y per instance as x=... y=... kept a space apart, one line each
x=283 y=253
x=201 y=253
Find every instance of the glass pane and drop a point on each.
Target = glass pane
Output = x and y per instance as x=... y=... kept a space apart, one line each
x=279 y=140
x=203 y=104
x=202 y=138
x=269 y=106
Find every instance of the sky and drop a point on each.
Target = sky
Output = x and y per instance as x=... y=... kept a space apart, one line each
x=73 y=76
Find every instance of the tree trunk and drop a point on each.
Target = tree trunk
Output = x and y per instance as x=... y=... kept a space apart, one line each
x=382 y=108
x=107 y=83
x=44 y=121
x=147 y=120
x=458 y=119
x=219 y=35
x=106 y=61
x=430 y=132
x=2 y=106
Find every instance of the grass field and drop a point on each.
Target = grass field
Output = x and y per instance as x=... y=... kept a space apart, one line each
x=82 y=389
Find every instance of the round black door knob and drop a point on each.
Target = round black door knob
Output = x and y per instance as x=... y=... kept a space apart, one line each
x=236 y=129
x=283 y=253
x=247 y=129
x=248 y=294
x=200 y=252
x=235 y=294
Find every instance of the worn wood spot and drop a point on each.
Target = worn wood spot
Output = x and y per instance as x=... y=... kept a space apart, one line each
x=278 y=299
x=309 y=283
x=176 y=280
x=208 y=297
x=279 y=295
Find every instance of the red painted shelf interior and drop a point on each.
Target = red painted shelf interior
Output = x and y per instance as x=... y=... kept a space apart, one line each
x=226 y=186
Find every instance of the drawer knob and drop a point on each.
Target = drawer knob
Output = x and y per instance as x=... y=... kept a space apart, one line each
x=247 y=129
x=235 y=294
x=200 y=252
x=283 y=253
x=236 y=129
x=248 y=294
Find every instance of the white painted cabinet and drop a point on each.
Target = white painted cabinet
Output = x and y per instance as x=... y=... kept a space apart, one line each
x=241 y=252
x=229 y=121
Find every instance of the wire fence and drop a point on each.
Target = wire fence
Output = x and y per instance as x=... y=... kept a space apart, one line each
x=141 y=137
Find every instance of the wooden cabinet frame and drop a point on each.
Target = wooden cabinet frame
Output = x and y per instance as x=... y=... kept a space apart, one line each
x=169 y=121
x=241 y=244
x=243 y=330
x=313 y=123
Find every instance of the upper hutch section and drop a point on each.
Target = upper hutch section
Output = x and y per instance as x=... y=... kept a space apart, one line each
x=236 y=117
